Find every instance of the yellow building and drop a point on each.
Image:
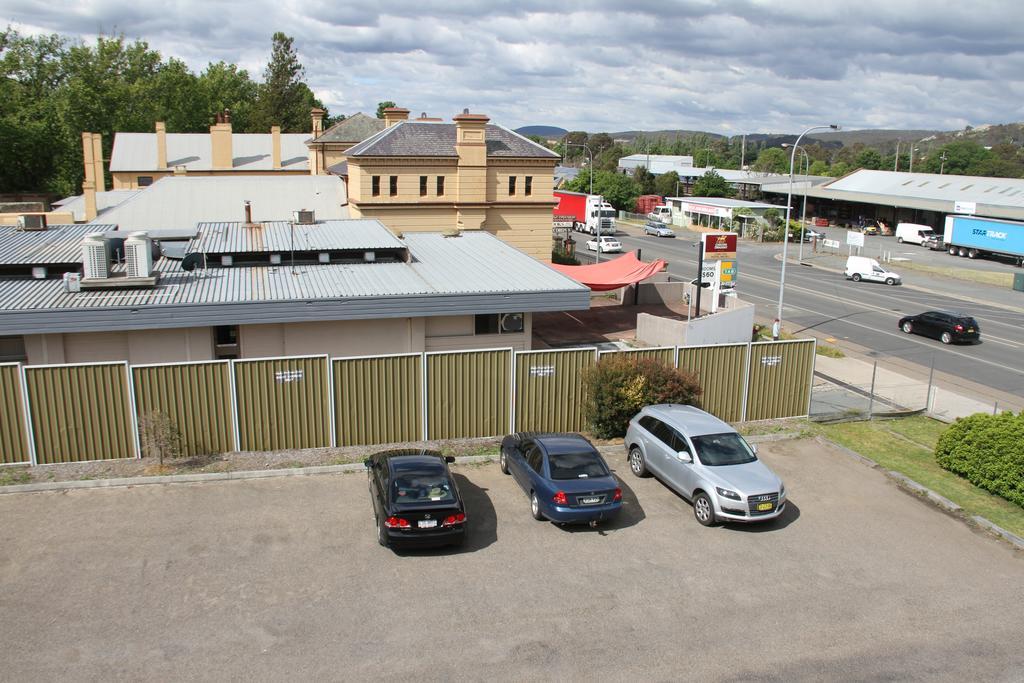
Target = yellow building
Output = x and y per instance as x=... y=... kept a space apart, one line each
x=466 y=175
x=327 y=150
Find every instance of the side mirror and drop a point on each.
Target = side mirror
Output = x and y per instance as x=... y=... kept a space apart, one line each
x=368 y=464
x=449 y=459
x=753 y=447
x=684 y=456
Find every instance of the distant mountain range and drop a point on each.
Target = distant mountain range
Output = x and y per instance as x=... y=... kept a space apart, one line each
x=987 y=135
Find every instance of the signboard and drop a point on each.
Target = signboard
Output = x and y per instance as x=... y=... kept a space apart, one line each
x=965 y=207
x=728 y=273
x=855 y=239
x=706 y=210
x=833 y=244
x=719 y=245
x=542 y=371
x=563 y=221
x=710 y=272
x=286 y=376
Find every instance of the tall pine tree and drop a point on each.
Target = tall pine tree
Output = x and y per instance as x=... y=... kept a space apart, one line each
x=284 y=99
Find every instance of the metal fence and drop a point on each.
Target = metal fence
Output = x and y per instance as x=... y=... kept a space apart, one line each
x=75 y=413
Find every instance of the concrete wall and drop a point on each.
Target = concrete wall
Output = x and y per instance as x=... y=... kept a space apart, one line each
x=135 y=346
x=654 y=293
x=333 y=337
x=452 y=333
x=732 y=323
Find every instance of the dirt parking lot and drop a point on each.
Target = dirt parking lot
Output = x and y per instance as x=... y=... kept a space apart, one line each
x=282 y=579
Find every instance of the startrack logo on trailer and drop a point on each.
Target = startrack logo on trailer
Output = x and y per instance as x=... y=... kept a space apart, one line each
x=991 y=234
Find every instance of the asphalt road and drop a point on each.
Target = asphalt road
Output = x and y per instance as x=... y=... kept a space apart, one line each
x=829 y=305
x=282 y=579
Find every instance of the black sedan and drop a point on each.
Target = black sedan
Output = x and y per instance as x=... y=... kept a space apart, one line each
x=415 y=499
x=944 y=326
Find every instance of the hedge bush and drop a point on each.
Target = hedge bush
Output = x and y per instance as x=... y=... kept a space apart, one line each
x=988 y=450
x=619 y=386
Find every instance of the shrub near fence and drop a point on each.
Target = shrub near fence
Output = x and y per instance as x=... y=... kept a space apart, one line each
x=75 y=413
x=988 y=450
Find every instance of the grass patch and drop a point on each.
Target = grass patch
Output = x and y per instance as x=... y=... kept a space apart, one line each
x=898 y=445
x=12 y=477
x=986 y=277
x=348 y=459
x=830 y=351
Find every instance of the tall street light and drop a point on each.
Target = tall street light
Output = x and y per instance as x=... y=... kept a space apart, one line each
x=789 y=207
x=590 y=169
x=803 y=212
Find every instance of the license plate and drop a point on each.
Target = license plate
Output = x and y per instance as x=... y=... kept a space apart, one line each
x=590 y=500
x=970 y=329
x=427 y=523
x=764 y=506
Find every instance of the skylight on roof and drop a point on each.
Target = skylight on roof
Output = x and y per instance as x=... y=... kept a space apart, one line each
x=924 y=183
x=907 y=183
x=944 y=185
x=966 y=187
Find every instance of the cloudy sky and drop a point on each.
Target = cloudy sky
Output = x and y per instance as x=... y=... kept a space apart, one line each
x=729 y=66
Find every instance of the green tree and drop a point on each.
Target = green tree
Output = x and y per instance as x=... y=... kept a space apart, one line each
x=712 y=185
x=667 y=184
x=772 y=160
x=964 y=157
x=381 y=106
x=869 y=158
x=819 y=167
x=284 y=99
x=644 y=180
x=600 y=142
x=224 y=86
x=618 y=189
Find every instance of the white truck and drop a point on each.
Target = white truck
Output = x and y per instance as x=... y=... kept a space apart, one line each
x=599 y=214
x=661 y=213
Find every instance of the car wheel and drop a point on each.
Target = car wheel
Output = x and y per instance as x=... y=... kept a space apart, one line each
x=636 y=462
x=856 y=277
x=946 y=338
x=703 y=510
x=535 y=506
x=899 y=240
x=908 y=327
x=890 y=281
x=503 y=463
x=382 y=534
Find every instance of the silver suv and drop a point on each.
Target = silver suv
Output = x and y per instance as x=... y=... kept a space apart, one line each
x=704 y=460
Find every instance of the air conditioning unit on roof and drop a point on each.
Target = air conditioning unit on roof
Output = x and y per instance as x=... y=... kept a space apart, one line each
x=32 y=222
x=304 y=217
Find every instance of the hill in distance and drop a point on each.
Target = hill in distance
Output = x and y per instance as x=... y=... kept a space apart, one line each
x=546 y=132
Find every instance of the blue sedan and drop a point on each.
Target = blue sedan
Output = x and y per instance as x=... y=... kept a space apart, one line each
x=564 y=476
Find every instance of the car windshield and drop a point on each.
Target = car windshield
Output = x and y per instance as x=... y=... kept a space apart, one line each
x=716 y=450
x=576 y=466
x=421 y=485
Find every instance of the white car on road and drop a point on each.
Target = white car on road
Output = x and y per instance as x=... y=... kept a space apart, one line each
x=608 y=244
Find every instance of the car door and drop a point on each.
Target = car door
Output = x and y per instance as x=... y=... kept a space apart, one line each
x=679 y=473
x=653 y=447
x=929 y=324
x=535 y=479
x=877 y=274
x=378 y=486
x=516 y=460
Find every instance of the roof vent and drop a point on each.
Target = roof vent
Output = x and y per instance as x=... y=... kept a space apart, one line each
x=138 y=252
x=369 y=256
x=275 y=259
x=304 y=217
x=32 y=222
x=38 y=272
x=324 y=257
x=95 y=256
x=466 y=110
x=226 y=260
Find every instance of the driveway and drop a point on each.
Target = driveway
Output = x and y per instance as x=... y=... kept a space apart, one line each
x=276 y=579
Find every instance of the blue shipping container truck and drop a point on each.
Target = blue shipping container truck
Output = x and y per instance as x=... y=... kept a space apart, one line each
x=973 y=237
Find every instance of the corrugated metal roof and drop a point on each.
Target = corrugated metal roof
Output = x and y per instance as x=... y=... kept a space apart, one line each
x=277 y=236
x=475 y=263
x=57 y=244
x=419 y=139
x=722 y=202
x=104 y=202
x=994 y=197
x=250 y=152
x=177 y=202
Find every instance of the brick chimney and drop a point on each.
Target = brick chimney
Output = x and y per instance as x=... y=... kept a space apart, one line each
x=317 y=114
x=97 y=160
x=393 y=115
x=89 y=184
x=471 y=148
x=220 y=142
x=161 y=146
x=275 y=143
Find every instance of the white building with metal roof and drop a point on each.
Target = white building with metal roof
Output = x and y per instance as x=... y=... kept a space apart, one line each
x=249 y=290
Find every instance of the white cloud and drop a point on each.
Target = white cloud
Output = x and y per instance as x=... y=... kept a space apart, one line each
x=727 y=66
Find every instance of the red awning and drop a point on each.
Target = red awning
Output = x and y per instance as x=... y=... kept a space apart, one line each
x=619 y=272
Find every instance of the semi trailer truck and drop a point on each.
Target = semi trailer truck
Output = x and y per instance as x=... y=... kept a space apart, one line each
x=976 y=237
x=589 y=212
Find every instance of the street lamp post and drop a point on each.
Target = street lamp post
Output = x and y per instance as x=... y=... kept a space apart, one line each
x=590 y=168
x=803 y=211
x=789 y=207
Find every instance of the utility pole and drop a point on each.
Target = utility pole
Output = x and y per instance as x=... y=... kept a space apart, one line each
x=942 y=165
x=896 y=163
x=743 y=152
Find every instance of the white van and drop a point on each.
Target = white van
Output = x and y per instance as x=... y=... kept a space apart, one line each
x=863 y=268
x=913 y=233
